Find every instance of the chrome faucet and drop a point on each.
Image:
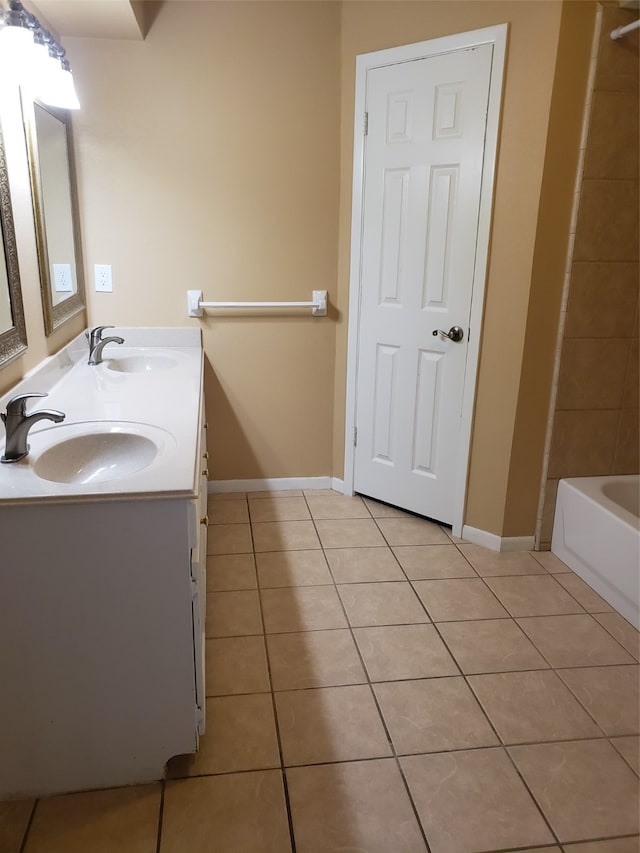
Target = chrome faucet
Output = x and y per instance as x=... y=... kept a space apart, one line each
x=18 y=423
x=97 y=343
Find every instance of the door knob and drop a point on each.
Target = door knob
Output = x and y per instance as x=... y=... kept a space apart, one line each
x=455 y=334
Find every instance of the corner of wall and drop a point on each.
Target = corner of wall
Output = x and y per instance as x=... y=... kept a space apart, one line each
x=548 y=270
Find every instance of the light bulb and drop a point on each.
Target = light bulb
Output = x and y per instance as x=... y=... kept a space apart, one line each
x=16 y=46
x=57 y=89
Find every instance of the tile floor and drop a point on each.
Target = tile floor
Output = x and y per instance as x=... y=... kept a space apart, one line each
x=376 y=685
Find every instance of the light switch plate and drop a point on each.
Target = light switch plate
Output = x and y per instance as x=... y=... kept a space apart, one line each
x=104 y=282
x=62 y=280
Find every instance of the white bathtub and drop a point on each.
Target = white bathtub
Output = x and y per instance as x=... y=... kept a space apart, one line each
x=596 y=531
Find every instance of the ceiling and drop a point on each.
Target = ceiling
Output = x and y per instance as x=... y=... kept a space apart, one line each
x=108 y=19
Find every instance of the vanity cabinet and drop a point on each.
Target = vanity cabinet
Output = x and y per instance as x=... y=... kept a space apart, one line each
x=102 y=609
x=102 y=643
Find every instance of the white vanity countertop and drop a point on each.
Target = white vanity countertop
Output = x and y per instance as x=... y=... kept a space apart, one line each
x=168 y=398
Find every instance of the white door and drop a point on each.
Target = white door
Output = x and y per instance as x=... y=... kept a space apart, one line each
x=423 y=166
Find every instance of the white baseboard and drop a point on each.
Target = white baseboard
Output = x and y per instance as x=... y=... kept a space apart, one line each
x=275 y=484
x=495 y=542
x=337 y=485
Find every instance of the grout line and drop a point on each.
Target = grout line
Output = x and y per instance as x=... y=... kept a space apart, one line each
x=27 y=829
x=161 y=815
x=395 y=756
x=377 y=704
x=504 y=747
x=276 y=723
x=624 y=757
x=500 y=740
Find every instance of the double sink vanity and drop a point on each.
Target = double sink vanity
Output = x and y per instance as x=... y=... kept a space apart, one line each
x=103 y=544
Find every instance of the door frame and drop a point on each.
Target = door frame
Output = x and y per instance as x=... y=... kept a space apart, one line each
x=497 y=36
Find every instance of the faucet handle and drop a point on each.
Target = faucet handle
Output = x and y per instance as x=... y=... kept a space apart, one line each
x=17 y=405
x=95 y=335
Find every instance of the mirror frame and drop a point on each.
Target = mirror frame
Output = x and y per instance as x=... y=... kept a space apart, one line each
x=13 y=341
x=54 y=315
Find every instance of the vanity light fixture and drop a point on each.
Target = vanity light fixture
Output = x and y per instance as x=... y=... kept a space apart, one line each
x=34 y=59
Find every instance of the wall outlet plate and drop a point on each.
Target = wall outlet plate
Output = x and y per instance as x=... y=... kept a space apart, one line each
x=104 y=282
x=62 y=278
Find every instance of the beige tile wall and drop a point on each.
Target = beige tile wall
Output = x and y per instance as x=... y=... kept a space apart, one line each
x=595 y=429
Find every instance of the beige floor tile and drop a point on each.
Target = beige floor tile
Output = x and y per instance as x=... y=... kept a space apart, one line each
x=532 y=706
x=321 y=493
x=233 y=614
x=380 y=510
x=314 y=659
x=457 y=599
x=292 y=568
x=583 y=593
x=14 y=818
x=358 y=806
x=497 y=563
x=550 y=562
x=533 y=595
x=610 y=845
x=611 y=694
x=361 y=565
x=622 y=630
x=585 y=789
x=226 y=496
x=236 y=813
x=278 y=509
x=473 y=800
x=433 y=715
x=285 y=536
x=412 y=531
x=231 y=572
x=340 y=506
x=424 y=562
x=241 y=735
x=229 y=539
x=392 y=652
x=573 y=641
x=303 y=608
x=236 y=665
x=344 y=723
x=99 y=821
x=388 y=603
x=228 y=512
x=629 y=748
x=281 y=493
x=491 y=645
x=349 y=533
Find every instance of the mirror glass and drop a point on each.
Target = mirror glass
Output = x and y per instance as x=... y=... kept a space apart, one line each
x=52 y=182
x=13 y=338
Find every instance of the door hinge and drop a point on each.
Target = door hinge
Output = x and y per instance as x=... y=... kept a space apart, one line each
x=366 y=124
x=355 y=436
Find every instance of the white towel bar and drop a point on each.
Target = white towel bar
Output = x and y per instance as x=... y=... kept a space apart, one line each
x=196 y=306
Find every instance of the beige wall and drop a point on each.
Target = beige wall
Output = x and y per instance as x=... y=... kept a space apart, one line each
x=595 y=430
x=208 y=158
x=531 y=57
x=38 y=346
x=217 y=155
x=549 y=265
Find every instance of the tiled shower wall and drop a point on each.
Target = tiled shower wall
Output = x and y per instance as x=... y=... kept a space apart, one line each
x=595 y=424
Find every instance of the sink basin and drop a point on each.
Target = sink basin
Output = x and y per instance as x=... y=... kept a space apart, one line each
x=98 y=452
x=141 y=363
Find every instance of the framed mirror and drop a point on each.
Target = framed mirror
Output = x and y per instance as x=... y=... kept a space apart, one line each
x=13 y=335
x=52 y=186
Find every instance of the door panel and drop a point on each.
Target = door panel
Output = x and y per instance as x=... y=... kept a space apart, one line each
x=422 y=180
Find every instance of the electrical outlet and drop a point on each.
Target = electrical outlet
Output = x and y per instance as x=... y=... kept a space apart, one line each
x=62 y=279
x=104 y=283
